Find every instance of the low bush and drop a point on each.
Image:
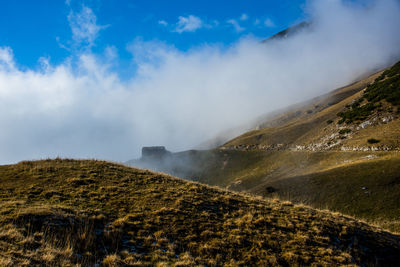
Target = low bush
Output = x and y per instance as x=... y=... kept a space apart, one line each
x=344 y=131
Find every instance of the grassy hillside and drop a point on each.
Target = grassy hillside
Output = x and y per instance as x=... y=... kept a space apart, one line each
x=346 y=118
x=372 y=195
x=321 y=153
x=324 y=179
x=304 y=124
x=68 y=212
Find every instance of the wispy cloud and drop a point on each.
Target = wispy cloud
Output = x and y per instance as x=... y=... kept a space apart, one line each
x=244 y=17
x=235 y=25
x=163 y=23
x=6 y=58
x=84 y=27
x=269 y=23
x=188 y=24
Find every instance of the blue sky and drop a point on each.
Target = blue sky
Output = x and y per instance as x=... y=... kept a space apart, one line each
x=41 y=28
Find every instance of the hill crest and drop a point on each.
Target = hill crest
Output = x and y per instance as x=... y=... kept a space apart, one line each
x=115 y=215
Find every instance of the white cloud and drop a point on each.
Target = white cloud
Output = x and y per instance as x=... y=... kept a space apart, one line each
x=110 y=53
x=235 y=25
x=44 y=64
x=84 y=27
x=6 y=58
x=179 y=99
x=188 y=24
x=163 y=23
x=244 y=17
x=269 y=23
x=257 y=22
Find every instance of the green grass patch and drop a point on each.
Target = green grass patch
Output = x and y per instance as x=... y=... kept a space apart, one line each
x=385 y=87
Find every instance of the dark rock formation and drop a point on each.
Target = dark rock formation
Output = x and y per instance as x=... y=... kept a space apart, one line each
x=154 y=152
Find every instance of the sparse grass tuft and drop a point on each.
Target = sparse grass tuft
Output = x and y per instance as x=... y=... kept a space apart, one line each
x=112 y=261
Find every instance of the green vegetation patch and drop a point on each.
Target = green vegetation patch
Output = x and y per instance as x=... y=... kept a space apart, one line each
x=345 y=131
x=385 y=87
x=359 y=113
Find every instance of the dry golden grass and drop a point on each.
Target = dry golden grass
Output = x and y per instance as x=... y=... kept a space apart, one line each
x=361 y=184
x=6 y=262
x=112 y=261
x=69 y=213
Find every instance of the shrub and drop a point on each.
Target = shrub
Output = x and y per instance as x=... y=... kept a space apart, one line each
x=344 y=131
x=329 y=121
x=358 y=113
x=373 y=141
x=380 y=78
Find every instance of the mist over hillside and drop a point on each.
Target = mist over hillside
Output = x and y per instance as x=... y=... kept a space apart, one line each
x=82 y=108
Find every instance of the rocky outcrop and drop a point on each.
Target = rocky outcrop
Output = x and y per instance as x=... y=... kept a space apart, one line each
x=154 y=152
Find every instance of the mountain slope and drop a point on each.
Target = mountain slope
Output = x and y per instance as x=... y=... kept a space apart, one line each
x=348 y=134
x=317 y=126
x=67 y=212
